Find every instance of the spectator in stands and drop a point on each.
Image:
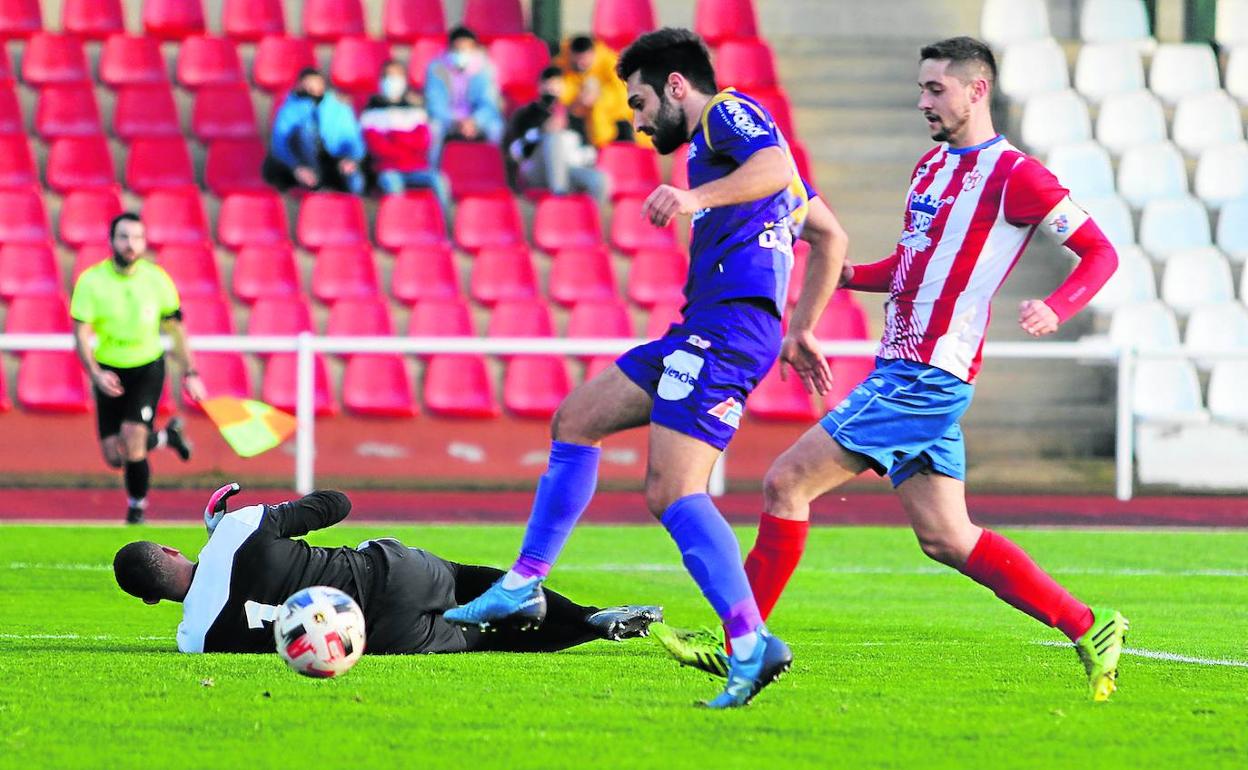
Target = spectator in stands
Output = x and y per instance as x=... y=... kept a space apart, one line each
x=546 y=147
x=461 y=93
x=396 y=130
x=316 y=142
x=594 y=94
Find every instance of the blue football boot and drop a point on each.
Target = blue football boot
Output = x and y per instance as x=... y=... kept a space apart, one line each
x=746 y=678
x=523 y=608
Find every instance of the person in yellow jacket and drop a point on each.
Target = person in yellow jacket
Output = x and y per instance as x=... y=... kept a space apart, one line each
x=594 y=94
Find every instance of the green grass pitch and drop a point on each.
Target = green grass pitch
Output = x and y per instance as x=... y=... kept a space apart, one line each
x=899 y=663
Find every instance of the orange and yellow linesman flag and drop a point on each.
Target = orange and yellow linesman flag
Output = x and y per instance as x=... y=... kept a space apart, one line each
x=249 y=427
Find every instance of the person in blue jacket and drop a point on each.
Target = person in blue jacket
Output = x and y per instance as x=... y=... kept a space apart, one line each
x=461 y=94
x=316 y=142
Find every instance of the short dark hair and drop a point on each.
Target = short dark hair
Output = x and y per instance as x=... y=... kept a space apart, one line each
x=963 y=50
x=550 y=72
x=581 y=44
x=309 y=72
x=142 y=570
x=659 y=53
x=125 y=216
x=461 y=33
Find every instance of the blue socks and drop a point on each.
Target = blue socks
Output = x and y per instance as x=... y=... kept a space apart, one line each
x=563 y=493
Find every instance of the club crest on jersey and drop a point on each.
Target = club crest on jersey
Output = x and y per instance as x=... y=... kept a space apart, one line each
x=923 y=209
x=728 y=412
x=972 y=180
x=1060 y=225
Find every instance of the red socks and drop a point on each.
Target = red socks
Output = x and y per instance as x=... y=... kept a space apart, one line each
x=775 y=555
x=1005 y=568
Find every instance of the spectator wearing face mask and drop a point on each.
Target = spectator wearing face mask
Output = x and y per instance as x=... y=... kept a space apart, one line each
x=316 y=141
x=593 y=93
x=396 y=130
x=546 y=147
x=461 y=94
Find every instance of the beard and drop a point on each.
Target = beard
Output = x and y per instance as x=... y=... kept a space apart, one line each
x=948 y=129
x=669 y=127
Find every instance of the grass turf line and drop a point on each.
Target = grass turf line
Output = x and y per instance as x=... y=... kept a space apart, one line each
x=896 y=668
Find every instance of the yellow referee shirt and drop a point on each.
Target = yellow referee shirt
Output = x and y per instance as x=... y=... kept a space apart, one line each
x=125 y=311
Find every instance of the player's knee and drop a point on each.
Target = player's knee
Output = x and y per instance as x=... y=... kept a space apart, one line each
x=783 y=488
x=661 y=493
x=946 y=550
x=568 y=426
x=113 y=457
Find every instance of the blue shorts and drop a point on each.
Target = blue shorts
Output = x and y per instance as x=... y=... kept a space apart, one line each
x=904 y=419
x=701 y=372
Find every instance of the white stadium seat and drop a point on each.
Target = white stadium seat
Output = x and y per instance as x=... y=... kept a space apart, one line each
x=1222 y=174
x=1230 y=25
x=1108 y=68
x=1167 y=390
x=1237 y=73
x=1171 y=225
x=1057 y=117
x=1195 y=278
x=1205 y=120
x=1232 y=237
x=1113 y=217
x=1116 y=21
x=1243 y=286
x=1129 y=120
x=1227 y=385
x=1033 y=68
x=1216 y=327
x=1006 y=22
x=1131 y=284
x=1083 y=168
x=1151 y=172
x=1147 y=325
x=1182 y=69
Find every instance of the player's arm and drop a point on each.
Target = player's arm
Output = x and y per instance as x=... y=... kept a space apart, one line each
x=762 y=175
x=874 y=276
x=318 y=510
x=829 y=244
x=180 y=347
x=107 y=381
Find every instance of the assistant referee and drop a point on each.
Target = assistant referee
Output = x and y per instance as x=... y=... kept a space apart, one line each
x=125 y=302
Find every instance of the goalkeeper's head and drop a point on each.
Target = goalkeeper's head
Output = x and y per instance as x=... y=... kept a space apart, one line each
x=153 y=572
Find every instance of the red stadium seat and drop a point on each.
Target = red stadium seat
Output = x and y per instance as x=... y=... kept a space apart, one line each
x=474 y=168
x=776 y=102
x=52 y=381
x=490 y=19
x=501 y=274
x=325 y=21
x=356 y=64
x=20 y=18
x=566 y=222
x=425 y=273
x=521 y=318
x=80 y=163
x=54 y=60
x=802 y=159
x=519 y=62
x=441 y=318
x=280 y=316
x=490 y=220
x=658 y=278
x=224 y=374
x=633 y=169
x=92 y=19
x=158 y=164
x=173 y=19
x=423 y=52
x=145 y=112
x=278 y=62
x=249 y=20
x=781 y=400
x=85 y=215
x=619 y=22
x=534 y=386
x=266 y=271
x=661 y=317
x=90 y=254
x=745 y=65
x=233 y=165
x=208 y=61
x=597 y=320
x=193 y=270
x=11 y=119
x=631 y=233
x=280 y=390
x=360 y=317
x=252 y=219
x=412 y=220
x=331 y=219
x=844 y=319
x=459 y=386
x=67 y=111
x=17 y=165
x=406 y=21
x=720 y=20
x=345 y=272
x=207 y=315
x=23 y=218
x=223 y=112
x=132 y=61
x=5 y=403
x=378 y=385
x=582 y=275
x=175 y=217
x=28 y=270
x=38 y=314
x=6 y=67
x=679 y=176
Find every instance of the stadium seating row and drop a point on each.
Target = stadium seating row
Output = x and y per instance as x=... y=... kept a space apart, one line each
x=1004 y=22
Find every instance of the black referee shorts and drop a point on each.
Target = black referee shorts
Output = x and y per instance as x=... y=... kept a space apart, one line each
x=141 y=386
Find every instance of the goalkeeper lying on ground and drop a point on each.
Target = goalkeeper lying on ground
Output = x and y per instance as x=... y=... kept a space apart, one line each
x=251 y=565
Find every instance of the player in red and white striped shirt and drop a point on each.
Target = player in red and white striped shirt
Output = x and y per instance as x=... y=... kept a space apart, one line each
x=973 y=204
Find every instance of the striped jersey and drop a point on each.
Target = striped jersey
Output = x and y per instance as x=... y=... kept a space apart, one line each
x=969 y=214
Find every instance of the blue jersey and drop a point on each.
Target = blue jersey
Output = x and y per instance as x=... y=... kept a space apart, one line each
x=744 y=250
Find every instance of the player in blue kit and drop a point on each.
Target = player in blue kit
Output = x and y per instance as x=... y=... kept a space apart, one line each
x=747 y=204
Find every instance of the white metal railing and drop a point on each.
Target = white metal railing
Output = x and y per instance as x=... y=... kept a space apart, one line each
x=306 y=346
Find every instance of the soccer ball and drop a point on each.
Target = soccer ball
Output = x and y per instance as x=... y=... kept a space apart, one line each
x=320 y=632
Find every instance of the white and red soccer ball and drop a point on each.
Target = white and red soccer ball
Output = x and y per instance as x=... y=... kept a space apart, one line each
x=320 y=632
